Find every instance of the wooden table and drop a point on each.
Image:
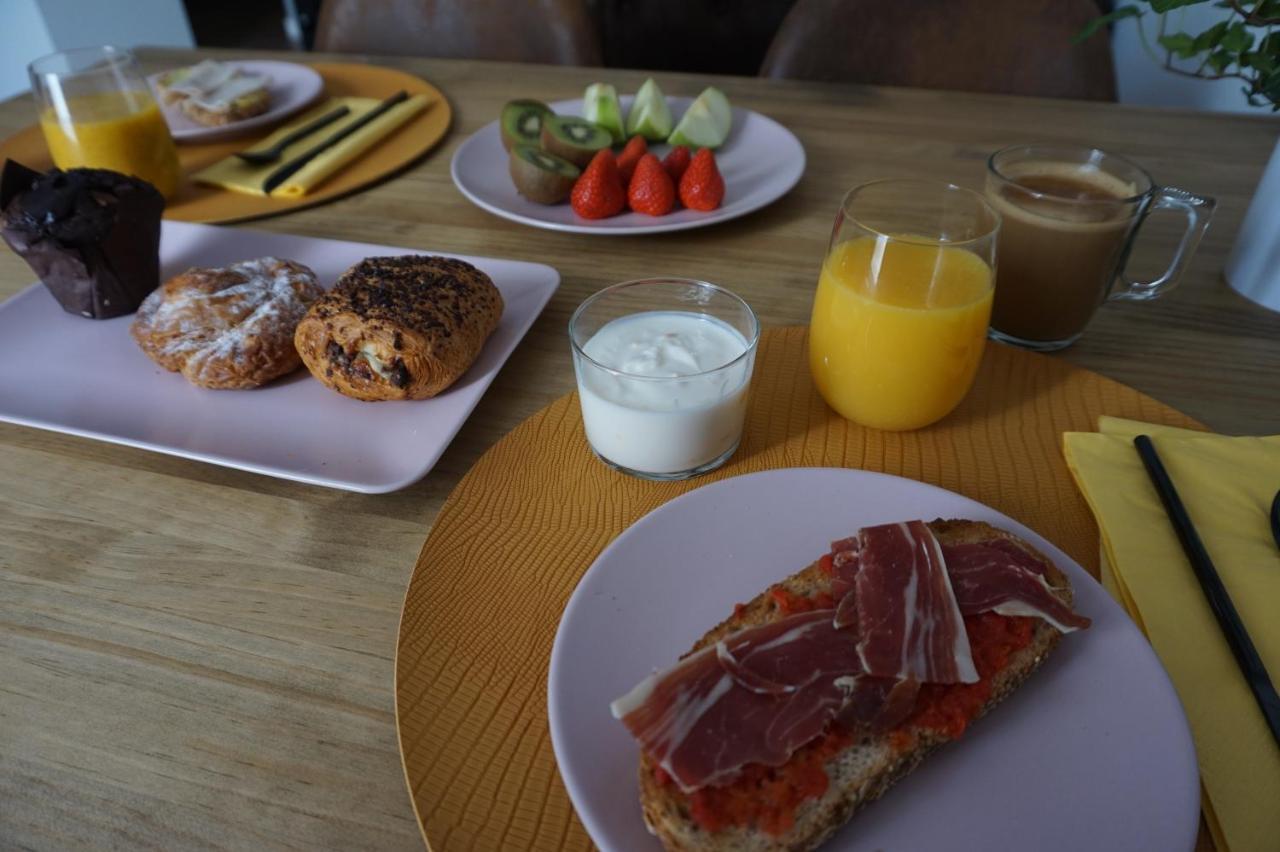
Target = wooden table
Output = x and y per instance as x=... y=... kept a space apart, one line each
x=197 y=657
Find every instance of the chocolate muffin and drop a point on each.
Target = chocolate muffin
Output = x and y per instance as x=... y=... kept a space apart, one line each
x=92 y=235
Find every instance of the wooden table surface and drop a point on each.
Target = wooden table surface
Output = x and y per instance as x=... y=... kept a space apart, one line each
x=194 y=657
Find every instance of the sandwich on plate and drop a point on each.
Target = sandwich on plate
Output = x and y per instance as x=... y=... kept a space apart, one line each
x=812 y=699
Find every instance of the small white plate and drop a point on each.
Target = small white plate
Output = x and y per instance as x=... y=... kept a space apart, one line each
x=292 y=87
x=760 y=162
x=1093 y=752
x=87 y=377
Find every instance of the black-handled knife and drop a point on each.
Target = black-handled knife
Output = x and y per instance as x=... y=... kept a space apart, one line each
x=292 y=167
x=1275 y=519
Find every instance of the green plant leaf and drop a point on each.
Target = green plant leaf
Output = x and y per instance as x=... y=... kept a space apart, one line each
x=1210 y=38
x=1261 y=62
x=1163 y=6
x=1270 y=88
x=1237 y=38
x=1105 y=20
x=1180 y=45
x=1268 y=9
x=1221 y=60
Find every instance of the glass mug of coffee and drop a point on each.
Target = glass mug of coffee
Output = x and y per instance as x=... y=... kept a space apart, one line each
x=1070 y=215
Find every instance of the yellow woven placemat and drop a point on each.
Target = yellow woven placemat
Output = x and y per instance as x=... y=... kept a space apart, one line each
x=511 y=542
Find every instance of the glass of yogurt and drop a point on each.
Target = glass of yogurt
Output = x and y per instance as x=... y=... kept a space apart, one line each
x=663 y=366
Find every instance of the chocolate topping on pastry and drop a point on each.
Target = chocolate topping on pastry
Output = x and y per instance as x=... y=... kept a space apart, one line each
x=92 y=235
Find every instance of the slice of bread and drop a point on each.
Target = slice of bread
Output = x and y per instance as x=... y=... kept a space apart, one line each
x=253 y=102
x=861 y=773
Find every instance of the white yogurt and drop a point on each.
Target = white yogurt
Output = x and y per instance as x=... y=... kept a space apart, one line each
x=678 y=398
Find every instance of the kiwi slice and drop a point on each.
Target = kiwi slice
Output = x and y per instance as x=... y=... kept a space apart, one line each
x=541 y=177
x=574 y=139
x=522 y=122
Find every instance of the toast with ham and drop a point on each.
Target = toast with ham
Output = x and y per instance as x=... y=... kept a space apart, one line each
x=693 y=798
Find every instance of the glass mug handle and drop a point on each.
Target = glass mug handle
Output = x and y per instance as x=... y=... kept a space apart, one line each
x=1198 y=211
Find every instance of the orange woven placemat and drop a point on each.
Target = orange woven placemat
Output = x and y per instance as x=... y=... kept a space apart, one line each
x=511 y=542
x=196 y=203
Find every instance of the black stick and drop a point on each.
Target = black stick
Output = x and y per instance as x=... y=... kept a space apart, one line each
x=1255 y=673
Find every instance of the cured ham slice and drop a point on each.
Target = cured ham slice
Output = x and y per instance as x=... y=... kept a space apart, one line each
x=757 y=695
x=907 y=621
x=1001 y=577
x=754 y=697
x=879 y=704
x=788 y=654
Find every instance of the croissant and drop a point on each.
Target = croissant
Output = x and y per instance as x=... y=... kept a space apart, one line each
x=399 y=327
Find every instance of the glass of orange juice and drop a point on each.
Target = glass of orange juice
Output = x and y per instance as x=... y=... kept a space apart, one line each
x=97 y=112
x=904 y=297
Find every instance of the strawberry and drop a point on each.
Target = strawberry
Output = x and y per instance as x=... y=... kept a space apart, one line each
x=631 y=155
x=701 y=187
x=676 y=162
x=598 y=194
x=652 y=191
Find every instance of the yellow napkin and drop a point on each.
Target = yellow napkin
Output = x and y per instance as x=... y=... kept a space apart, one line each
x=235 y=174
x=1227 y=485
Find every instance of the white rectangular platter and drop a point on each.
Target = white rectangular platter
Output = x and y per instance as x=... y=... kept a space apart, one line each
x=87 y=377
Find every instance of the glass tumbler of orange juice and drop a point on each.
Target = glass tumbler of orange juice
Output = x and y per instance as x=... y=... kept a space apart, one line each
x=903 y=301
x=97 y=112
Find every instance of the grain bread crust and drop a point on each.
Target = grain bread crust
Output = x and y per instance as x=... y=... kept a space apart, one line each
x=861 y=773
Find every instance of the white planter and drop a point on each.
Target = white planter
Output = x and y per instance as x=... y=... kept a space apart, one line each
x=1253 y=269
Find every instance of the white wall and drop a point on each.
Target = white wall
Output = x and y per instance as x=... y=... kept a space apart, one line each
x=32 y=28
x=1140 y=79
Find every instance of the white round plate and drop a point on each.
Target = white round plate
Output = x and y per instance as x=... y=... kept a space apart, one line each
x=1093 y=752
x=292 y=87
x=760 y=162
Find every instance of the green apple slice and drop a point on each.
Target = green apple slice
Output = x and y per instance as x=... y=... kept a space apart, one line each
x=600 y=106
x=650 y=116
x=706 y=123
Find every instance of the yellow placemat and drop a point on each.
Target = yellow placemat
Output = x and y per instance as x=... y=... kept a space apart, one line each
x=511 y=542
x=198 y=203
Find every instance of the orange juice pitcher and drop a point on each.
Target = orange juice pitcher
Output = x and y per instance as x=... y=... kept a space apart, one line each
x=903 y=301
x=97 y=112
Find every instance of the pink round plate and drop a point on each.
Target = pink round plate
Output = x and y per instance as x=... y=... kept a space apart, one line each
x=760 y=161
x=292 y=87
x=1092 y=752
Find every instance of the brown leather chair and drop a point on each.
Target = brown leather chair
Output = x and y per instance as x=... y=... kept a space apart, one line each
x=1020 y=47
x=558 y=32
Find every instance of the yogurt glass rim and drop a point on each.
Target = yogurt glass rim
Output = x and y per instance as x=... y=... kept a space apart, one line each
x=696 y=282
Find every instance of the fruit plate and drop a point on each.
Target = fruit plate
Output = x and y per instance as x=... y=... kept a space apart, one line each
x=1093 y=752
x=760 y=161
x=94 y=381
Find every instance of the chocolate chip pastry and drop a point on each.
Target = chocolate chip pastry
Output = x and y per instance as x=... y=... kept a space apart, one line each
x=399 y=327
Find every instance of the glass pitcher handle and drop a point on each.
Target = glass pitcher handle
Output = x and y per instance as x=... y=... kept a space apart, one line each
x=1198 y=210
